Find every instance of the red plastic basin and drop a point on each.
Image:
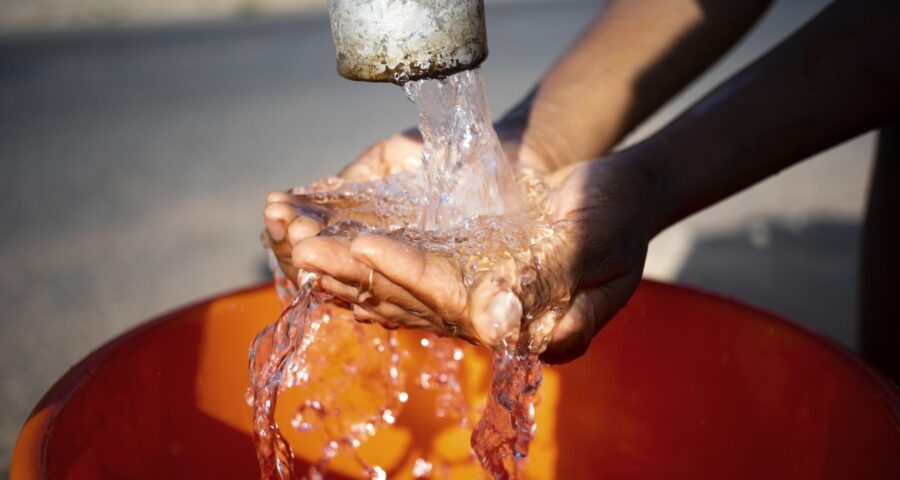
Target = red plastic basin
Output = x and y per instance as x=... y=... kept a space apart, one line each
x=679 y=385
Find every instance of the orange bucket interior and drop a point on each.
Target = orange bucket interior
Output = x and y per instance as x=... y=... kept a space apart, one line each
x=679 y=385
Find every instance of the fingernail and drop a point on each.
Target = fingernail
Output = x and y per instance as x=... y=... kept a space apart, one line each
x=274 y=225
x=503 y=318
x=506 y=313
x=276 y=232
x=300 y=229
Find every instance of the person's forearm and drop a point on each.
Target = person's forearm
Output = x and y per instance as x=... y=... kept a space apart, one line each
x=837 y=77
x=632 y=59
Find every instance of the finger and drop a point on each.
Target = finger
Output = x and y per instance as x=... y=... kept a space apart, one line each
x=574 y=330
x=330 y=256
x=397 y=153
x=403 y=152
x=282 y=251
x=348 y=277
x=302 y=227
x=289 y=270
x=277 y=216
x=366 y=315
x=385 y=291
x=279 y=197
x=282 y=209
x=363 y=315
x=431 y=279
x=273 y=235
x=588 y=312
x=365 y=168
x=391 y=319
x=394 y=313
x=347 y=293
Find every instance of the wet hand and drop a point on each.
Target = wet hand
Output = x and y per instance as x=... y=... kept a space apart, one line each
x=607 y=211
x=601 y=213
x=402 y=152
x=398 y=153
x=290 y=219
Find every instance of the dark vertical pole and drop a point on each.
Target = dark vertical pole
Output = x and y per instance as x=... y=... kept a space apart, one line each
x=880 y=275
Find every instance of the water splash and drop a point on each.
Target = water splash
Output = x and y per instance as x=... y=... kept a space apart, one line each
x=441 y=372
x=271 y=371
x=466 y=203
x=352 y=383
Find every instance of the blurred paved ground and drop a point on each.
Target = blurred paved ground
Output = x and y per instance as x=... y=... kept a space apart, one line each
x=133 y=167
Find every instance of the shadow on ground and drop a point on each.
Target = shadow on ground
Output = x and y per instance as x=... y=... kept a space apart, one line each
x=805 y=272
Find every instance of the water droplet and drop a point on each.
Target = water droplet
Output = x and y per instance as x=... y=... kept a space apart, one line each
x=421 y=469
x=388 y=417
x=330 y=450
x=377 y=473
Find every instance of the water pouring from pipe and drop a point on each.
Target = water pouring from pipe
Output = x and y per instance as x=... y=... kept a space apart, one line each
x=465 y=203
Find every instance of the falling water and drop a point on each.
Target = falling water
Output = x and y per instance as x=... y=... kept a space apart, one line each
x=466 y=203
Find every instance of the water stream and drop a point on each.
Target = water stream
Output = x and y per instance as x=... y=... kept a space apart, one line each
x=467 y=203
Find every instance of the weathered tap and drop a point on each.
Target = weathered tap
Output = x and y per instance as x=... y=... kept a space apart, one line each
x=401 y=40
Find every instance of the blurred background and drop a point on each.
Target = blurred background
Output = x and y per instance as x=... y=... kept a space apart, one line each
x=138 y=139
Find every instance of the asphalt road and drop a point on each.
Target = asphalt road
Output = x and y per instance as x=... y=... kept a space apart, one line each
x=133 y=166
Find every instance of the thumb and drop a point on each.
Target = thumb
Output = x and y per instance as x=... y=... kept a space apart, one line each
x=494 y=310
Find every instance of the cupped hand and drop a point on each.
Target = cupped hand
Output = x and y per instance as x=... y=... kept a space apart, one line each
x=290 y=219
x=603 y=219
x=398 y=153
x=402 y=152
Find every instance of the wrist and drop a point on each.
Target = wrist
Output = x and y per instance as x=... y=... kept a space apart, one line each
x=652 y=165
x=530 y=145
x=561 y=129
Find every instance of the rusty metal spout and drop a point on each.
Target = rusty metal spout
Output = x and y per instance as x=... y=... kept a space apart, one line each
x=401 y=40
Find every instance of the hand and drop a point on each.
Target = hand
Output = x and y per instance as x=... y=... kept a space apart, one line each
x=289 y=219
x=609 y=210
x=398 y=153
x=602 y=230
x=401 y=152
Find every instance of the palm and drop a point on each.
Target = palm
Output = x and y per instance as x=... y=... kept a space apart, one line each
x=597 y=257
x=289 y=220
x=394 y=154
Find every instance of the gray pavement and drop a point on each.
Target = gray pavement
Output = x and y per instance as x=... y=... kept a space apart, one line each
x=133 y=166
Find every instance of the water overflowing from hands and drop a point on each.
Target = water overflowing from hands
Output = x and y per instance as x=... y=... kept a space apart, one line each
x=467 y=203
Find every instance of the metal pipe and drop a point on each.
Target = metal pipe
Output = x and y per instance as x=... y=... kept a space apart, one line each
x=401 y=40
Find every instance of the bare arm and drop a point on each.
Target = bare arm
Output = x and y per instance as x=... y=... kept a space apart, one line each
x=837 y=77
x=634 y=57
